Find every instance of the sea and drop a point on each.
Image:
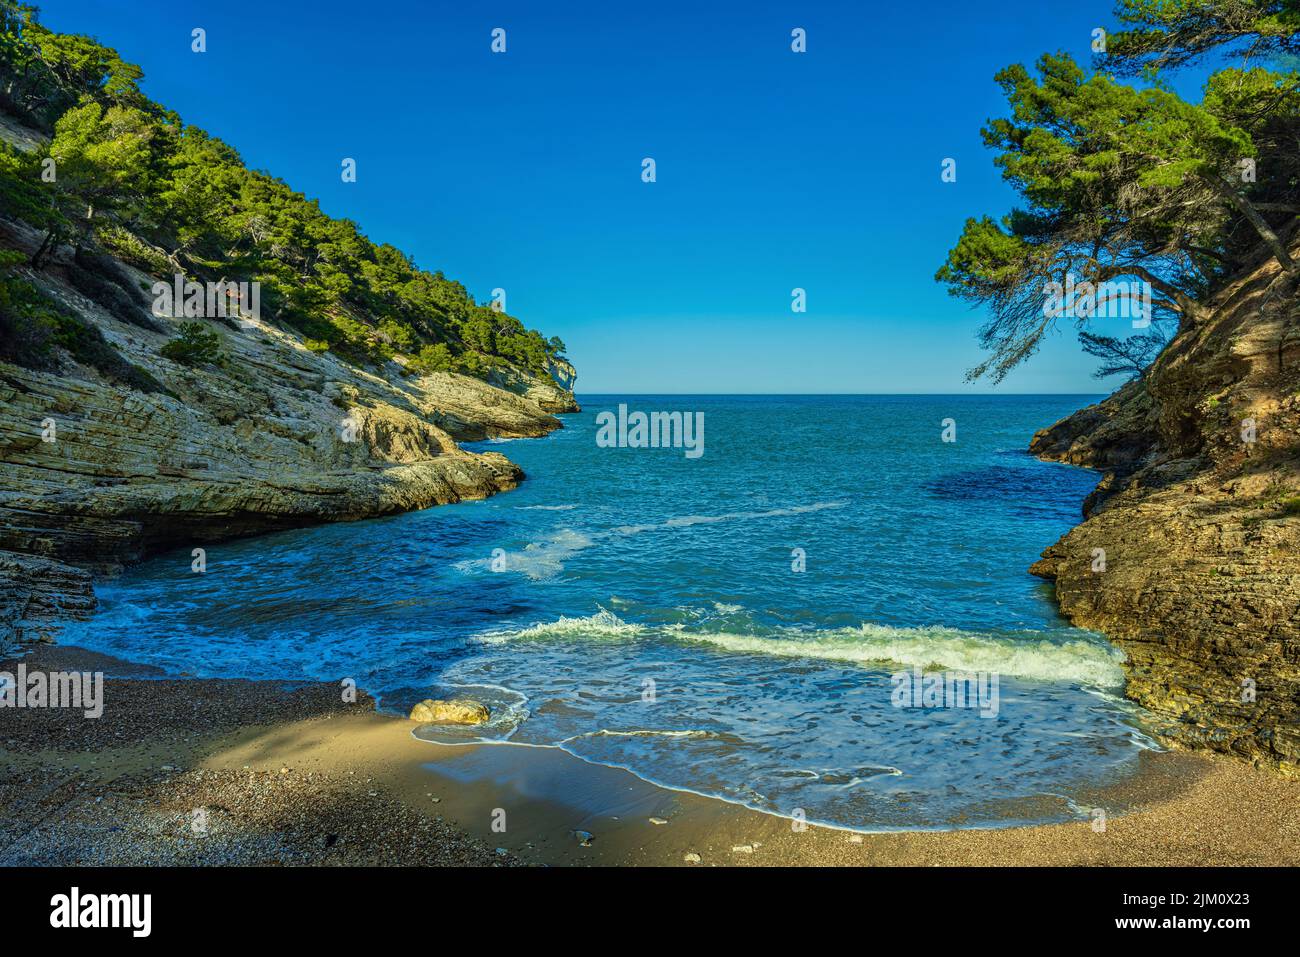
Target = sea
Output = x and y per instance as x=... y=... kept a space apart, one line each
x=825 y=614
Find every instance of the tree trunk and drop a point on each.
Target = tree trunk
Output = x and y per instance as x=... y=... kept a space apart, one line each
x=1266 y=233
x=45 y=245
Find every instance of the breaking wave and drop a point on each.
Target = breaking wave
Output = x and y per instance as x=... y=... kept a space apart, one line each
x=1033 y=655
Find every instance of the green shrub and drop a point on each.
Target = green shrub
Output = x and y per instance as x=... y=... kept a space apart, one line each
x=472 y=364
x=434 y=358
x=194 y=346
x=32 y=325
x=130 y=248
x=401 y=336
x=28 y=322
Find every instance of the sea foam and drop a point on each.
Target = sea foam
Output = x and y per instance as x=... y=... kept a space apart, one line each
x=545 y=559
x=1032 y=655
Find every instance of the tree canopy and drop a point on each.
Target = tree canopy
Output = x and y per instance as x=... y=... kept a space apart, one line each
x=1130 y=186
x=131 y=178
x=1166 y=34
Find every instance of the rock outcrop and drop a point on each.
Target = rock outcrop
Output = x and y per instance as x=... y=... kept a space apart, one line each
x=36 y=594
x=95 y=475
x=1189 y=558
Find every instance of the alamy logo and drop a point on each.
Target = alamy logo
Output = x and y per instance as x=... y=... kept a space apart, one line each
x=946 y=689
x=103 y=910
x=1107 y=300
x=55 y=689
x=653 y=430
x=207 y=300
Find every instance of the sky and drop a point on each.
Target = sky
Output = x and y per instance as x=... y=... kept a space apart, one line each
x=522 y=170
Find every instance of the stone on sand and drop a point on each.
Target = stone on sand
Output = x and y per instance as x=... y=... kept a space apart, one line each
x=453 y=711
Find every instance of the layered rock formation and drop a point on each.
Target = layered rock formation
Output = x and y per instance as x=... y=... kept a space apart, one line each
x=95 y=475
x=1189 y=558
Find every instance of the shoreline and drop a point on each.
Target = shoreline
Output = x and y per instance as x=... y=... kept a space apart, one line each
x=231 y=771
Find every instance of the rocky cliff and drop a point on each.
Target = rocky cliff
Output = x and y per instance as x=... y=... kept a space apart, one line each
x=99 y=469
x=1189 y=558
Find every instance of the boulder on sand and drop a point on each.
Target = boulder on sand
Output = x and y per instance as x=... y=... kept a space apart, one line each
x=455 y=711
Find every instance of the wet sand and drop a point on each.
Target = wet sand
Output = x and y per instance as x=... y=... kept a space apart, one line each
x=210 y=771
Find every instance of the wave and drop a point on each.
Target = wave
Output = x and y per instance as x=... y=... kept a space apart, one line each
x=1028 y=655
x=1025 y=654
x=603 y=624
x=545 y=559
x=536 y=560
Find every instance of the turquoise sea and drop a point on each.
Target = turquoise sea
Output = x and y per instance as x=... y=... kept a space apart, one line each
x=641 y=608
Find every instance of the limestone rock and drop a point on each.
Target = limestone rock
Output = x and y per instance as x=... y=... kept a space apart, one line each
x=1189 y=559
x=453 y=711
x=36 y=594
x=95 y=476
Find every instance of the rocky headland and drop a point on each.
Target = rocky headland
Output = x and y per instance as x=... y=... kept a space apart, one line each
x=1189 y=555
x=112 y=453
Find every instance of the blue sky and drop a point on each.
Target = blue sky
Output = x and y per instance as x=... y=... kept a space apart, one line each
x=522 y=170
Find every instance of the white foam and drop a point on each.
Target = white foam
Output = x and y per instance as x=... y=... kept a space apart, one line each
x=1031 y=655
x=642 y=733
x=1024 y=656
x=545 y=559
x=536 y=560
x=602 y=625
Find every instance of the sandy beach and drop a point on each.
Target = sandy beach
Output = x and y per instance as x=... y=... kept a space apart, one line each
x=212 y=771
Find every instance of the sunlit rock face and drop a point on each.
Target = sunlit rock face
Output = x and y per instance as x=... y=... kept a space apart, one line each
x=1190 y=555
x=95 y=474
